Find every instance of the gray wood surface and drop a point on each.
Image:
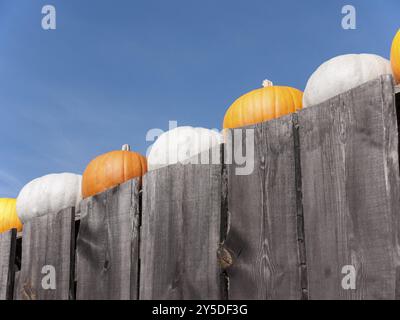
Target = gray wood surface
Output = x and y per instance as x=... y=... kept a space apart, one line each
x=16 y=284
x=262 y=237
x=180 y=233
x=47 y=241
x=107 y=245
x=324 y=194
x=7 y=270
x=350 y=178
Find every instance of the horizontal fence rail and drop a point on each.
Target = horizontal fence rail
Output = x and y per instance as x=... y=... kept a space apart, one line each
x=310 y=210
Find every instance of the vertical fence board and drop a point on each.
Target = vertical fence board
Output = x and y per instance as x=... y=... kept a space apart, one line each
x=107 y=244
x=396 y=222
x=7 y=269
x=181 y=233
x=350 y=169
x=47 y=241
x=263 y=236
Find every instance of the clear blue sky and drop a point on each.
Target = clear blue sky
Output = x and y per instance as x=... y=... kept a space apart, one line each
x=115 y=69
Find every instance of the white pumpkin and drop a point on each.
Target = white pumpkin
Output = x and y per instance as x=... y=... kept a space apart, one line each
x=181 y=144
x=49 y=195
x=341 y=74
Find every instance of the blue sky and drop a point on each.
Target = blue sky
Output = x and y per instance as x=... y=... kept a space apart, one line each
x=112 y=70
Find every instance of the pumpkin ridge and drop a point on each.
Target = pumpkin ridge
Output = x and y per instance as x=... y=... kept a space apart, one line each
x=255 y=112
x=293 y=109
x=263 y=113
x=297 y=97
x=240 y=110
x=275 y=102
x=288 y=102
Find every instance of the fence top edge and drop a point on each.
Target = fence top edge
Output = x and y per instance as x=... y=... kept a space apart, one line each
x=135 y=182
x=388 y=78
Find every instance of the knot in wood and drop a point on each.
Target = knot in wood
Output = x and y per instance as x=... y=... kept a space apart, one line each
x=225 y=259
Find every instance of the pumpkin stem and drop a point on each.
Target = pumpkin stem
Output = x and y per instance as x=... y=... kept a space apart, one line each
x=126 y=147
x=267 y=83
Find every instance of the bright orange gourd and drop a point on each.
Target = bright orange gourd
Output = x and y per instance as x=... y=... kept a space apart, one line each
x=8 y=215
x=111 y=169
x=395 y=57
x=263 y=104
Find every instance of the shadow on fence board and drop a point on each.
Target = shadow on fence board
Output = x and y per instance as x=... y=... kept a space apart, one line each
x=180 y=232
x=350 y=179
x=47 y=258
x=108 y=244
x=8 y=242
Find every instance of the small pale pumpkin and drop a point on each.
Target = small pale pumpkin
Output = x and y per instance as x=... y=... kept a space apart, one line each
x=341 y=74
x=8 y=215
x=111 y=169
x=395 y=57
x=181 y=144
x=48 y=195
x=263 y=104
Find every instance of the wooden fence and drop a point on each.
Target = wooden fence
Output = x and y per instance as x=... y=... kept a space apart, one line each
x=320 y=205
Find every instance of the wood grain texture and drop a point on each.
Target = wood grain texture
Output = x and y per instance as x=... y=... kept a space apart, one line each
x=181 y=233
x=262 y=230
x=7 y=257
x=350 y=179
x=16 y=284
x=47 y=241
x=107 y=245
x=392 y=161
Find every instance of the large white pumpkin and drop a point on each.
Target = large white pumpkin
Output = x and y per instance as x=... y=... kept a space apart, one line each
x=341 y=74
x=181 y=144
x=49 y=195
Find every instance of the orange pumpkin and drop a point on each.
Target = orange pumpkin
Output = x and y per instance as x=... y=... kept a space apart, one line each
x=111 y=169
x=263 y=104
x=395 y=57
x=8 y=215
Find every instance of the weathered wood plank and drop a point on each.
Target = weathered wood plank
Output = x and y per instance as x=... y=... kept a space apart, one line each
x=7 y=258
x=181 y=233
x=350 y=178
x=396 y=220
x=47 y=245
x=108 y=245
x=263 y=237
